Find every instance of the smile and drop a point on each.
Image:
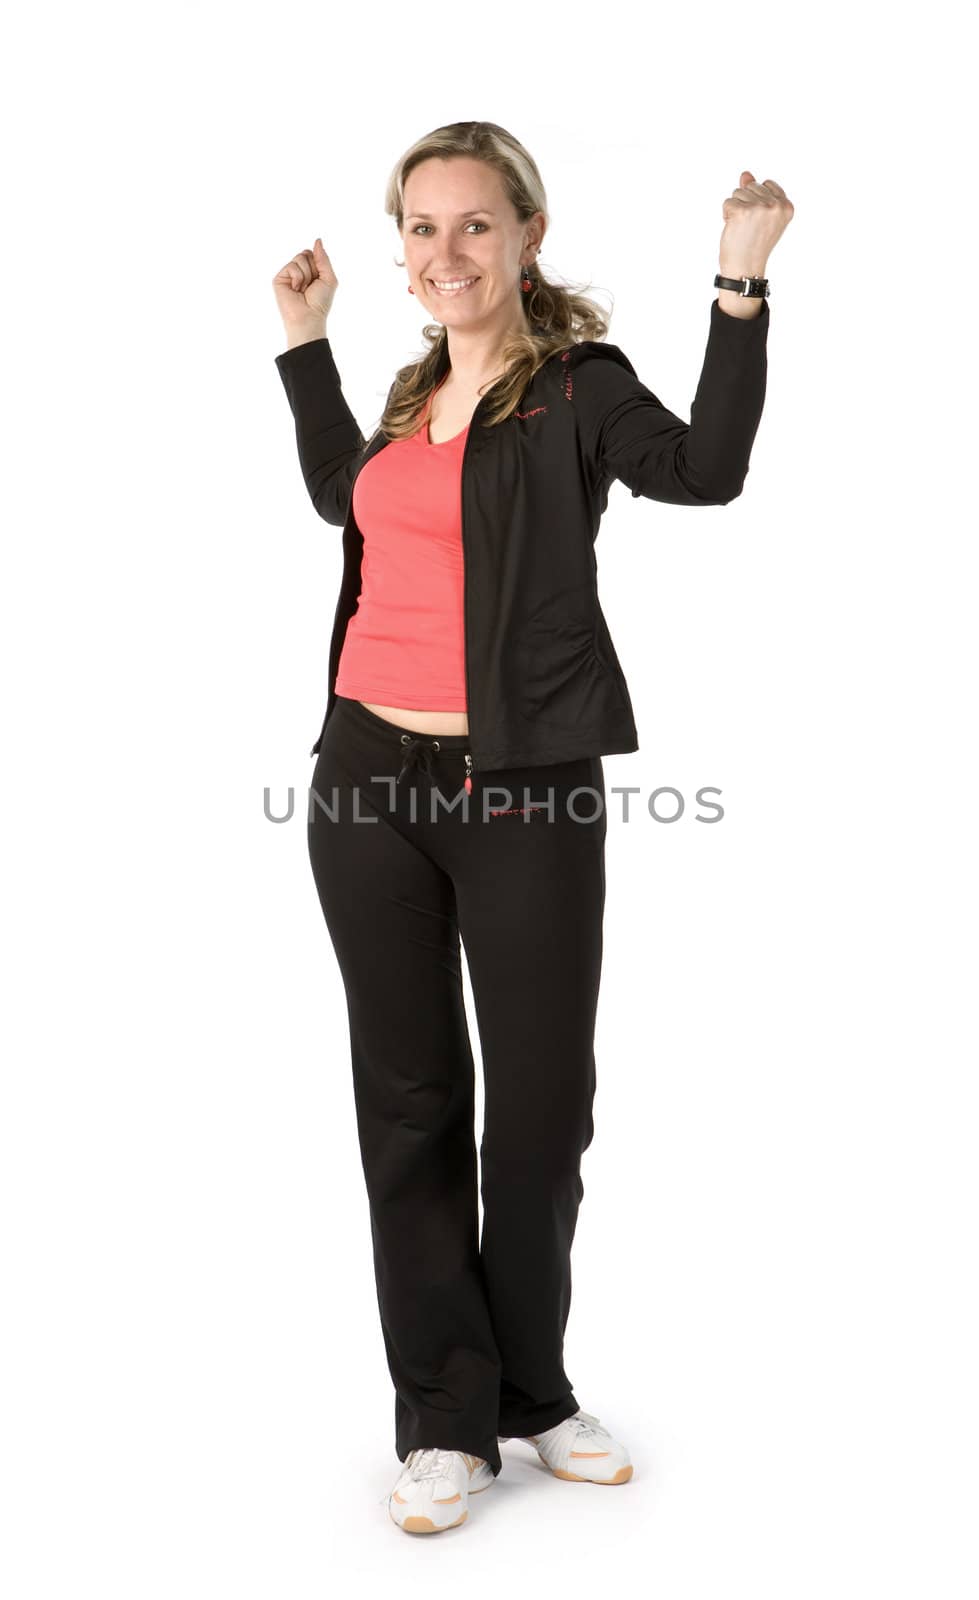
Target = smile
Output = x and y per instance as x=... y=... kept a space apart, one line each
x=452 y=286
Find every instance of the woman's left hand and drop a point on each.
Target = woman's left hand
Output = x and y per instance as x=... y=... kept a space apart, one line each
x=755 y=217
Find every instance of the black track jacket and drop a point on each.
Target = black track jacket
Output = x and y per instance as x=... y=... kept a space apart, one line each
x=543 y=682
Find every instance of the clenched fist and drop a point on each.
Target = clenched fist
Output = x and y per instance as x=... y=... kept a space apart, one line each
x=755 y=217
x=304 y=289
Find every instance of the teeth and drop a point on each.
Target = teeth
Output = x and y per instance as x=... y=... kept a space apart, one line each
x=456 y=283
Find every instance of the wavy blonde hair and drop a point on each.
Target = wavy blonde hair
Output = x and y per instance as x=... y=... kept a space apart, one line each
x=557 y=316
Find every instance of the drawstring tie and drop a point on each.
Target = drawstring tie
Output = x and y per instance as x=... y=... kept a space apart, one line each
x=418 y=753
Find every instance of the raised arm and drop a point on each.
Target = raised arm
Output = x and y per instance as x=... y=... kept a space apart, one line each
x=627 y=432
x=328 y=437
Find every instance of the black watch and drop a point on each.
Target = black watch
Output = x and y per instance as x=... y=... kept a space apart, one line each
x=751 y=288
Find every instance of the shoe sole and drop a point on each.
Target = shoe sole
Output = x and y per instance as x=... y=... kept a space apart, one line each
x=425 y=1524
x=622 y=1476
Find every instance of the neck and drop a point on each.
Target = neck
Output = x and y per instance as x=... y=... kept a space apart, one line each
x=475 y=355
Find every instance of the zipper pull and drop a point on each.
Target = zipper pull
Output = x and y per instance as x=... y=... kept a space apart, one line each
x=469 y=773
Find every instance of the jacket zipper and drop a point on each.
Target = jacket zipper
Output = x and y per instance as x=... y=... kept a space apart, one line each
x=465 y=593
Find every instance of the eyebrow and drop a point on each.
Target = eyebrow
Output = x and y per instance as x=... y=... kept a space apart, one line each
x=426 y=216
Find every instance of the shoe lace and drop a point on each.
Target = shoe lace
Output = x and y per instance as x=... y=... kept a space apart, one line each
x=584 y=1423
x=427 y=1463
x=430 y=1463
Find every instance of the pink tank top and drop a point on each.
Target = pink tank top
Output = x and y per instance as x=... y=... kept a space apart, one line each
x=405 y=644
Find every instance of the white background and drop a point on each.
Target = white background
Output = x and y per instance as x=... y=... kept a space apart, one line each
x=774 y=1270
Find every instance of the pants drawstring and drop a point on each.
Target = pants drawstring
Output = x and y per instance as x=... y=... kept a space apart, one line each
x=418 y=753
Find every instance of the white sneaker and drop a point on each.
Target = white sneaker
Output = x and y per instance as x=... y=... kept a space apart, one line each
x=433 y=1490
x=582 y=1451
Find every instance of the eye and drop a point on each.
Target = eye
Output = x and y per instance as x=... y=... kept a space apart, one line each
x=468 y=225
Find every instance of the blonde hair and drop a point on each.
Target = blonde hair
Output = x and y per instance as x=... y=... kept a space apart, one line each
x=557 y=316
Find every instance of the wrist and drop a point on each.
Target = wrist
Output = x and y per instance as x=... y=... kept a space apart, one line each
x=738 y=267
x=305 y=333
x=733 y=303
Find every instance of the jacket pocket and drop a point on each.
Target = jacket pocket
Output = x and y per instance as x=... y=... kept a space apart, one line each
x=562 y=682
x=605 y=655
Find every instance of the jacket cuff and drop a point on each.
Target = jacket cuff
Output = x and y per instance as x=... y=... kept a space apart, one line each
x=739 y=327
x=315 y=354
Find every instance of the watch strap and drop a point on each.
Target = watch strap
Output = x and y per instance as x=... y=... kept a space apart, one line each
x=751 y=288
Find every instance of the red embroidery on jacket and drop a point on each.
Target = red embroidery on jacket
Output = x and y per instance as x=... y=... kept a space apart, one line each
x=530 y=413
x=567 y=376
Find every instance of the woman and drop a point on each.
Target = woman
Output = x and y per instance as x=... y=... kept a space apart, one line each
x=459 y=793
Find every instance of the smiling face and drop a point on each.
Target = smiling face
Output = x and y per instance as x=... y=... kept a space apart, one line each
x=464 y=244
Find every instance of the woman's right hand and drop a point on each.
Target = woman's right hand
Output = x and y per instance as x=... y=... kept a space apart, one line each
x=304 y=290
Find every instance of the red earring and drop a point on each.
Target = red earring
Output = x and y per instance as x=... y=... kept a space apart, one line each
x=525 y=282
x=410 y=289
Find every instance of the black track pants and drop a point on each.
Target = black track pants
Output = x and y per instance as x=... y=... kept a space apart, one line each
x=473 y=1329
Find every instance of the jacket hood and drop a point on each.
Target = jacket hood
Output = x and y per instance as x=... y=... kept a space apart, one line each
x=584 y=350
x=597 y=349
